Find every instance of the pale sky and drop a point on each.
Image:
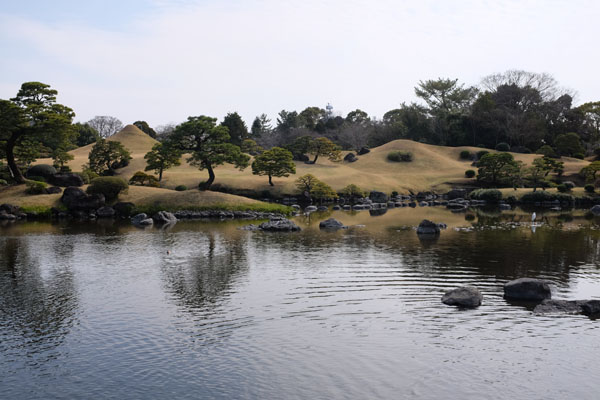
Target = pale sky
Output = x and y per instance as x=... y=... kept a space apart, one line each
x=164 y=60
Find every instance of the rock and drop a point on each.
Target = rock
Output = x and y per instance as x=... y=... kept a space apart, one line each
x=456 y=194
x=66 y=179
x=142 y=220
x=10 y=209
x=504 y=206
x=347 y=207
x=378 y=212
x=4 y=216
x=164 y=217
x=322 y=208
x=441 y=225
x=350 y=157
x=279 y=225
x=427 y=227
x=378 y=197
x=336 y=208
x=464 y=296
x=76 y=199
x=412 y=204
x=331 y=224
x=596 y=209
x=423 y=204
x=295 y=206
x=527 y=289
x=124 y=209
x=363 y=150
x=105 y=212
x=549 y=306
x=591 y=307
x=310 y=209
x=53 y=190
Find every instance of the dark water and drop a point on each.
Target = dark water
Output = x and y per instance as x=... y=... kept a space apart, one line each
x=104 y=311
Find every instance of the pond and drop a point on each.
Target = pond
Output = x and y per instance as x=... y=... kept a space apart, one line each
x=205 y=310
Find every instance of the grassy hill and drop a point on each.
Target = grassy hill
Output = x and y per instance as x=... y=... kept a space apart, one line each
x=433 y=167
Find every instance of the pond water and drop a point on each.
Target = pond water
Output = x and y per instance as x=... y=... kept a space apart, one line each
x=205 y=310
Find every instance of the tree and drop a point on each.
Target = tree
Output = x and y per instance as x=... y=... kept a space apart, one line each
x=358 y=116
x=568 y=144
x=275 y=162
x=310 y=116
x=539 y=170
x=322 y=191
x=324 y=147
x=305 y=183
x=591 y=116
x=162 y=156
x=495 y=168
x=261 y=126
x=144 y=127
x=356 y=134
x=105 y=125
x=208 y=145
x=238 y=131
x=249 y=146
x=543 y=83
x=60 y=156
x=352 y=192
x=287 y=120
x=33 y=116
x=85 y=134
x=164 y=131
x=107 y=156
x=589 y=172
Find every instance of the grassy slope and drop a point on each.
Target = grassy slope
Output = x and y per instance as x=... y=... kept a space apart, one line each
x=433 y=167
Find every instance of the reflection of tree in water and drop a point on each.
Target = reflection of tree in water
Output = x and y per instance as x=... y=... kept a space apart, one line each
x=38 y=305
x=201 y=280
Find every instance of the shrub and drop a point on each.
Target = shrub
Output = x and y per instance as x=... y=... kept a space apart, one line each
x=352 y=191
x=580 y=156
x=562 y=188
x=503 y=146
x=3 y=182
x=65 y=169
x=547 y=151
x=109 y=186
x=511 y=199
x=37 y=178
x=181 y=188
x=87 y=175
x=481 y=153
x=541 y=196
x=35 y=187
x=589 y=188
x=465 y=155
x=400 y=156
x=144 y=179
x=489 y=195
x=43 y=170
x=570 y=185
x=470 y=173
x=394 y=193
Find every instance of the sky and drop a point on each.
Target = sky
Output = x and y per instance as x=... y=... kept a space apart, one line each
x=164 y=60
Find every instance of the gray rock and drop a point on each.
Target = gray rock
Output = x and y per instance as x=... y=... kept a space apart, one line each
x=527 y=289
x=10 y=209
x=66 y=179
x=310 y=209
x=76 y=199
x=53 y=190
x=4 y=216
x=164 y=217
x=504 y=206
x=331 y=224
x=350 y=157
x=295 y=206
x=347 y=207
x=456 y=194
x=142 y=220
x=378 y=197
x=423 y=204
x=363 y=150
x=427 y=227
x=105 y=212
x=322 y=208
x=336 y=208
x=596 y=209
x=549 y=306
x=591 y=307
x=279 y=225
x=464 y=296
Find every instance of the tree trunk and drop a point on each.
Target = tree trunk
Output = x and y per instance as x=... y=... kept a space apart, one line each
x=211 y=179
x=160 y=171
x=10 y=158
x=270 y=181
x=315 y=160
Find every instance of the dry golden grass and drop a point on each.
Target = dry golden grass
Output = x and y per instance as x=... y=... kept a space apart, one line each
x=433 y=167
x=16 y=195
x=157 y=197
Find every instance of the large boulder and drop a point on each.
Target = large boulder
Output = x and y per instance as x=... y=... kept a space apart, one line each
x=464 y=296
x=164 y=217
x=591 y=307
x=331 y=224
x=310 y=209
x=279 y=225
x=105 y=212
x=350 y=157
x=378 y=197
x=456 y=194
x=596 y=209
x=426 y=227
x=141 y=220
x=363 y=150
x=587 y=307
x=527 y=289
x=66 y=179
x=76 y=199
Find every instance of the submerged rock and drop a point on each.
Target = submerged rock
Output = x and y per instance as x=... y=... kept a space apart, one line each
x=591 y=307
x=279 y=225
x=464 y=296
x=426 y=227
x=250 y=227
x=331 y=224
x=164 y=217
x=527 y=289
x=378 y=197
x=559 y=306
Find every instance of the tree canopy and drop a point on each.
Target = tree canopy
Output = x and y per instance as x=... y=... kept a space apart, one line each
x=162 y=156
x=274 y=162
x=105 y=125
x=107 y=156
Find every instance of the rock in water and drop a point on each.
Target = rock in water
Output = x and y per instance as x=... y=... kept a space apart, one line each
x=527 y=289
x=279 y=225
x=550 y=306
x=164 y=217
x=378 y=197
x=464 y=296
x=596 y=209
x=105 y=212
x=331 y=224
x=76 y=199
x=141 y=220
x=426 y=227
x=591 y=307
